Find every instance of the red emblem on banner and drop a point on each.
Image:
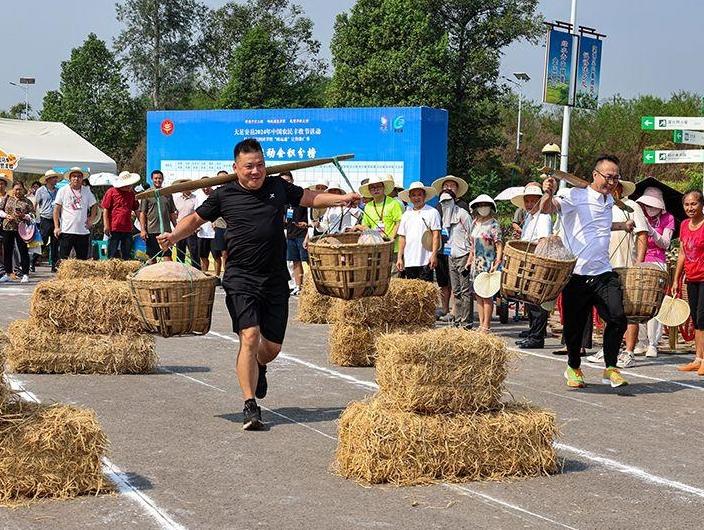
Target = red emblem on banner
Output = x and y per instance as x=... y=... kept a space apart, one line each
x=167 y=127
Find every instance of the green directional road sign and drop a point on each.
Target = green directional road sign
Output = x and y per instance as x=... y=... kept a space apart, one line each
x=689 y=137
x=669 y=123
x=677 y=136
x=647 y=123
x=681 y=156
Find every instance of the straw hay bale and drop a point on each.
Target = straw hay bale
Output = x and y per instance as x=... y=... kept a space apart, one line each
x=85 y=305
x=112 y=269
x=379 y=443
x=442 y=370
x=50 y=451
x=354 y=345
x=4 y=388
x=406 y=302
x=37 y=349
x=313 y=307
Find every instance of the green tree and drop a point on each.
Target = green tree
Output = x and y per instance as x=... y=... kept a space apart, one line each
x=16 y=111
x=160 y=47
x=225 y=29
x=94 y=100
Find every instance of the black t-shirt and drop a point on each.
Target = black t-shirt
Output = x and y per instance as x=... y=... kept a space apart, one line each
x=300 y=215
x=256 y=259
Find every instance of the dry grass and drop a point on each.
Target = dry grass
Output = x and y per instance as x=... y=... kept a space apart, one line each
x=406 y=302
x=37 y=349
x=112 y=269
x=50 y=451
x=442 y=370
x=313 y=307
x=354 y=345
x=379 y=443
x=4 y=389
x=86 y=306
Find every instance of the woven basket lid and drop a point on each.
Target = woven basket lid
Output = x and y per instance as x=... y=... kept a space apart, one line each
x=487 y=284
x=673 y=312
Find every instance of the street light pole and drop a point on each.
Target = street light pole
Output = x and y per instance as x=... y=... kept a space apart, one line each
x=567 y=110
x=24 y=81
x=522 y=76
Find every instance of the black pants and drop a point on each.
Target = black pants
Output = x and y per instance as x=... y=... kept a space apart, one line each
x=120 y=242
x=10 y=237
x=695 y=294
x=581 y=294
x=78 y=242
x=418 y=273
x=46 y=229
x=538 y=318
x=190 y=243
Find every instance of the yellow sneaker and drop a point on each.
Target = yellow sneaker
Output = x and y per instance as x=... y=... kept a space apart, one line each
x=613 y=376
x=575 y=378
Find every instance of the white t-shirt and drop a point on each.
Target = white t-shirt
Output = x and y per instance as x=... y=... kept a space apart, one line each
x=413 y=224
x=623 y=248
x=535 y=227
x=586 y=217
x=75 y=206
x=330 y=222
x=207 y=230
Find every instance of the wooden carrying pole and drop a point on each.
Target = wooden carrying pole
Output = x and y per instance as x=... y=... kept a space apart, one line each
x=578 y=182
x=209 y=182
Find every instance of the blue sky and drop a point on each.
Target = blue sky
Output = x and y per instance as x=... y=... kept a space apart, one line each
x=652 y=46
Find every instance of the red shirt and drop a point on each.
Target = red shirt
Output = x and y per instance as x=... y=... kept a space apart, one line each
x=120 y=203
x=693 y=246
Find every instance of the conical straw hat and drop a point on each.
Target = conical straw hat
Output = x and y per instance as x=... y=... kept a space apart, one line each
x=673 y=312
x=487 y=284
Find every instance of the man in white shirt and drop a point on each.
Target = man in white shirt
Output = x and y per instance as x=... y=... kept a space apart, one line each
x=587 y=222
x=75 y=212
x=419 y=234
x=186 y=203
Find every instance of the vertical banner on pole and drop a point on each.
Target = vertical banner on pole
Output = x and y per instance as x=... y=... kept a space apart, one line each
x=558 y=68
x=588 y=72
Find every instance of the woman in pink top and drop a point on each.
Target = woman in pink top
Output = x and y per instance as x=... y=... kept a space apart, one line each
x=661 y=227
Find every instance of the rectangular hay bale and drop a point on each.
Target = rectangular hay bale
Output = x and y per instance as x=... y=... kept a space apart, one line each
x=86 y=305
x=36 y=349
x=50 y=451
x=445 y=370
x=406 y=302
x=313 y=307
x=354 y=345
x=378 y=444
x=112 y=269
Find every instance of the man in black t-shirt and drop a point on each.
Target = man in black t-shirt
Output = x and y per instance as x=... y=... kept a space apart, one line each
x=256 y=277
x=296 y=240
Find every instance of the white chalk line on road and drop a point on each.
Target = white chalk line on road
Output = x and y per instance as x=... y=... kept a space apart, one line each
x=113 y=472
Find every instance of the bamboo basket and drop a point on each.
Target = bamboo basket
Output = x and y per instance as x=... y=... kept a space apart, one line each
x=643 y=291
x=530 y=278
x=175 y=307
x=350 y=271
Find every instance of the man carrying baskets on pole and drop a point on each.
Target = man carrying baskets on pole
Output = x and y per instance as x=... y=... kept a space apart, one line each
x=256 y=277
x=587 y=222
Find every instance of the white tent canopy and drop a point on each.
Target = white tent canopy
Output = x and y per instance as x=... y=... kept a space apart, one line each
x=41 y=145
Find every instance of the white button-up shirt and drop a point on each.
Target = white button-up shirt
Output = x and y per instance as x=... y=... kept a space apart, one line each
x=586 y=218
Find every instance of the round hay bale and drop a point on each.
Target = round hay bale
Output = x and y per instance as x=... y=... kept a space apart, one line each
x=50 y=451
x=379 y=443
x=442 y=370
x=354 y=345
x=86 y=305
x=406 y=302
x=112 y=269
x=313 y=307
x=36 y=349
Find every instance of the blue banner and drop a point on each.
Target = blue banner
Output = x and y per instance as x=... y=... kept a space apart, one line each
x=588 y=72
x=409 y=143
x=558 y=68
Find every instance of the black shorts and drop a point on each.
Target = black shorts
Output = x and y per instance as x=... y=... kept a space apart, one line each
x=442 y=271
x=153 y=247
x=219 y=244
x=695 y=293
x=248 y=310
x=206 y=247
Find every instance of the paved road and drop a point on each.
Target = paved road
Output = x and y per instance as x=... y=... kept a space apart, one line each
x=630 y=456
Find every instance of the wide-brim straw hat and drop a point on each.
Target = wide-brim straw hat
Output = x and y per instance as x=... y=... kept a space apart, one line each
x=75 y=169
x=318 y=183
x=335 y=185
x=519 y=200
x=405 y=195
x=652 y=196
x=125 y=178
x=483 y=199
x=48 y=174
x=487 y=284
x=628 y=187
x=462 y=185
x=7 y=180
x=386 y=180
x=673 y=312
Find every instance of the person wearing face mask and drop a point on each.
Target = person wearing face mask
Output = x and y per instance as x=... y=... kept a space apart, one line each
x=661 y=227
x=456 y=188
x=487 y=249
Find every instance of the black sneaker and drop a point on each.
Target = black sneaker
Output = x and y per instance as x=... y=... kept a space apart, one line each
x=523 y=334
x=252 y=416
x=262 y=385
